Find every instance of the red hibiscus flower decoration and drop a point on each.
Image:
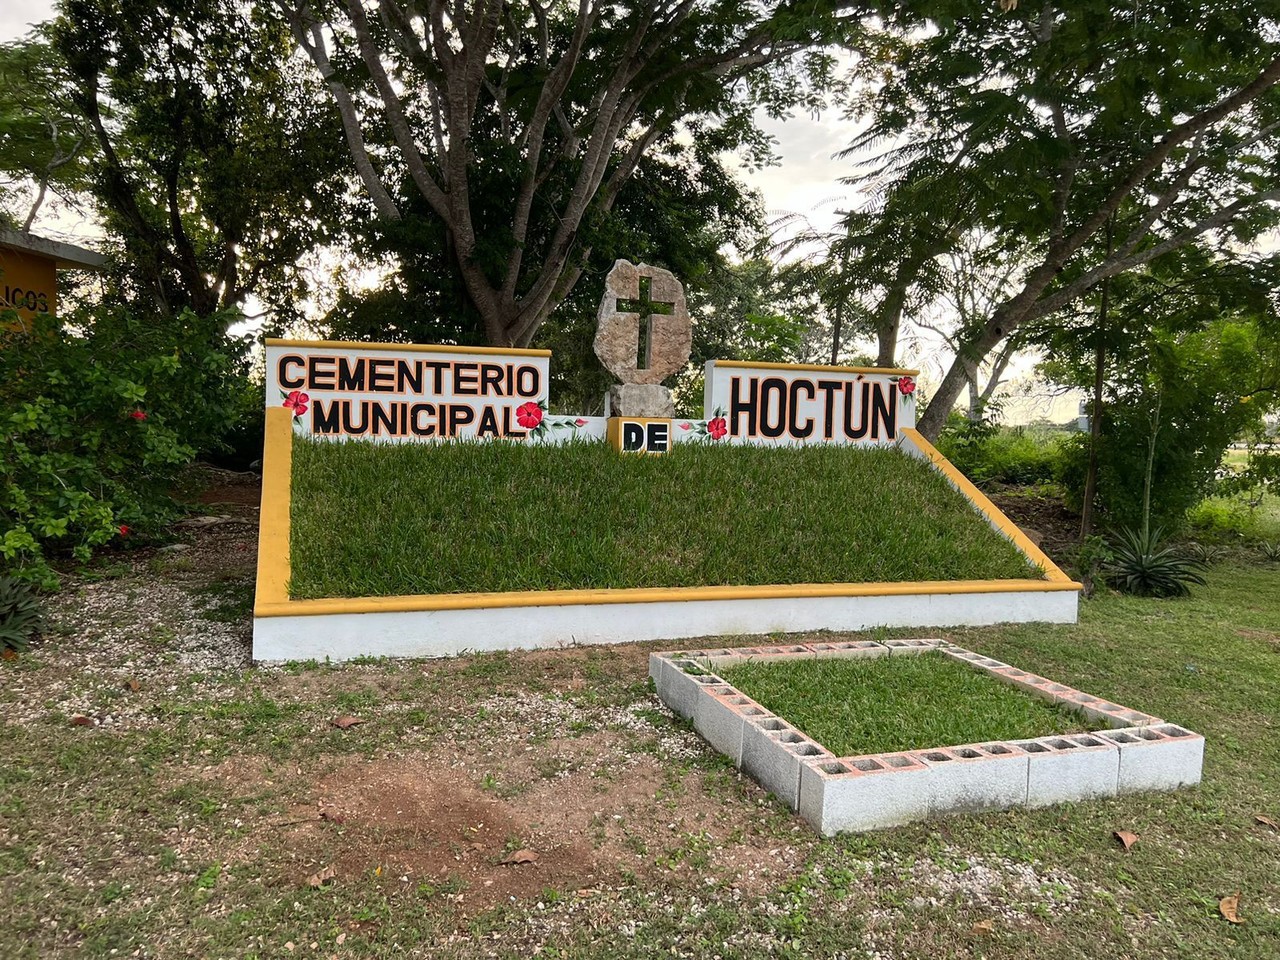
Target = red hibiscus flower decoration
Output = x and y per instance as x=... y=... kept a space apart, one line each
x=124 y=529
x=580 y=422
x=529 y=415
x=297 y=402
x=717 y=428
x=139 y=415
x=906 y=385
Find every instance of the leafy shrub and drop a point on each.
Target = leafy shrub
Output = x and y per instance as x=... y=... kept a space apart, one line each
x=1092 y=557
x=1270 y=551
x=99 y=414
x=989 y=454
x=20 y=614
x=1140 y=564
x=1220 y=517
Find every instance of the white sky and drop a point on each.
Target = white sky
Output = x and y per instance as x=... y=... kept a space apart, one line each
x=806 y=181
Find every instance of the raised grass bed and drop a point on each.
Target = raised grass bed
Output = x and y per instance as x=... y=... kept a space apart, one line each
x=372 y=520
x=887 y=704
x=836 y=788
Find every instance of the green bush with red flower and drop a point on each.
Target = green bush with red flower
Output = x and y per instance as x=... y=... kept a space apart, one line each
x=99 y=414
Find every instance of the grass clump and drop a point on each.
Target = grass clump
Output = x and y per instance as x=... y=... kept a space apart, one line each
x=380 y=520
x=886 y=704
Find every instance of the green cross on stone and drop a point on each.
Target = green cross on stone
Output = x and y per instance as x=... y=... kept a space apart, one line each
x=647 y=308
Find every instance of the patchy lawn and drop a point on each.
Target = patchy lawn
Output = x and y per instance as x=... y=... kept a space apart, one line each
x=192 y=810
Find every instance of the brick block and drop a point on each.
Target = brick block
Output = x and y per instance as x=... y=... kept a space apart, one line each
x=975 y=777
x=720 y=715
x=1076 y=767
x=849 y=649
x=773 y=752
x=863 y=793
x=1160 y=757
x=900 y=647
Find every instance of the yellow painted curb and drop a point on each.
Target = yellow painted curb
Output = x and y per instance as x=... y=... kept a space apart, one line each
x=273 y=518
x=558 y=598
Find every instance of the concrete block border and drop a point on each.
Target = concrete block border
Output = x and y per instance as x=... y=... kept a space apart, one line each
x=851 y=794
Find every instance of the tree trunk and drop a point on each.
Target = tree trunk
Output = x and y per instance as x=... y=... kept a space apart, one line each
x=1095 y=416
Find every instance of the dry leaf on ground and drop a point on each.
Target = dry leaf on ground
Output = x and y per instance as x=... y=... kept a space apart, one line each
x=332 y=817
x=80 y=720
x=1229 y=907
x=133 y=685
x=1266 y=821
x=323 y=877
x=524 y=855
x=983 y=927
x=1126 y=838
x=346 y=722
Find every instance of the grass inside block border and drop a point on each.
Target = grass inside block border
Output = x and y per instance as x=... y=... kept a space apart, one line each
x=864 y=705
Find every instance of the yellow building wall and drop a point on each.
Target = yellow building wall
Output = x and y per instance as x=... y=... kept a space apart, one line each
x=28 y=284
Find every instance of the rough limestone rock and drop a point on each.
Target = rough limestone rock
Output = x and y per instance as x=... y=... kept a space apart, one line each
x=641 y=400
x=619 y=326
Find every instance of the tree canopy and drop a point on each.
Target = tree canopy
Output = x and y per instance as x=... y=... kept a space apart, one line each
x=1034 y=127
x=518 y=124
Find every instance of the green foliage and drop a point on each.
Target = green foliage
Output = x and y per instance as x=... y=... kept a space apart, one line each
x=986 y=453
x=375 y=519
x=1141 y=564
x=20 y=614
x=1193 y=362
x=1270 y=551
x=215 y=162
x=1091 y=560
x=1220 y=518
x=99 y=415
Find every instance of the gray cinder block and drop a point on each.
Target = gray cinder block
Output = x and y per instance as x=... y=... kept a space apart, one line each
x=1160 y=757
x=1076 y=767
x=678 y=687
x=849 y=649
x=773 y=752
x=720 y=715
x=975 y=777
x=899 y=647
x=863 y=793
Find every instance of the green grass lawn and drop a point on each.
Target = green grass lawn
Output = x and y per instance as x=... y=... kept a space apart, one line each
x=379 y=520
x=884 y=704
x=189 y=828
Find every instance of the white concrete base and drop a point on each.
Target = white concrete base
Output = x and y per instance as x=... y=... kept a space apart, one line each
x=437 y=633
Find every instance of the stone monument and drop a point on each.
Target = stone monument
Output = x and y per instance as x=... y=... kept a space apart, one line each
x=643 y=335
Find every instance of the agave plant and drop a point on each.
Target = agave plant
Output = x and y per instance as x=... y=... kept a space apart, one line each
x=19 y=614
x=1141 y=564
x=1270 y=551
x=1207 y=553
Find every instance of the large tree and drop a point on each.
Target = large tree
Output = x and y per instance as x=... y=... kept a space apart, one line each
x=519 y=123
x=212 y=159
x=1037 y=126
